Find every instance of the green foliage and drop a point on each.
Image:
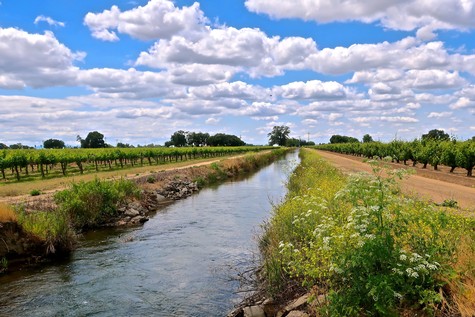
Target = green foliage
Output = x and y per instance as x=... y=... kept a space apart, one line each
x=279 y=135
x=343 y=139
x=90 y=203
x=51 y=163
x=50 y=226
x=53 y=144
x=94 y=140
x=221 y=139
x=370 y=249
x=426 y=151
x=35 y=192
x=178 y=139
x=367 y=138
x=151 y=179
x=293 y=142
x=451 y=203
x=436 y=135
x=197 y=138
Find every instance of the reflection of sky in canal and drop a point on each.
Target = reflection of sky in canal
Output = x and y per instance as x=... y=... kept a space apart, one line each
x=178 y=264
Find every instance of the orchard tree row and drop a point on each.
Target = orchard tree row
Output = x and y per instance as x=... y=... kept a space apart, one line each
x=432 y=149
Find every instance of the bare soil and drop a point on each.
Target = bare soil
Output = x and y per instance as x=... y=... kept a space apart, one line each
x=428 y=184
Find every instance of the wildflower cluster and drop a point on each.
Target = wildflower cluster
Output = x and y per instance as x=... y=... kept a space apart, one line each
x=372 y=249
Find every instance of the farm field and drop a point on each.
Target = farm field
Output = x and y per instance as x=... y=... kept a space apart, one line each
x=45 y=170
x=427 y=183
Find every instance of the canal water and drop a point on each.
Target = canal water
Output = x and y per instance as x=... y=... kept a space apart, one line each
x=180 y=263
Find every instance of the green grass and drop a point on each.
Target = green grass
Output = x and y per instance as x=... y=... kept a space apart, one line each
x=88 y=204
x=52 y=227
x=372 y=251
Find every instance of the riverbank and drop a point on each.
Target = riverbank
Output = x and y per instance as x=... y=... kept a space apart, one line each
x=354 y=245
x=156 y=189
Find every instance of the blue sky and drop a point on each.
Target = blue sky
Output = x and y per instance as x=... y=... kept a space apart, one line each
x=139 y=70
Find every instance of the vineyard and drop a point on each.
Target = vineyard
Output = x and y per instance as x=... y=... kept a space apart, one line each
x=455 y=154
x=16 y=165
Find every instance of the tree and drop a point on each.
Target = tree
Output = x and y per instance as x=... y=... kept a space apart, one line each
x=93 y=140
x=221 y=139
x=3 y=146
x=343 y=139
x=465 y=156
x=367 y=138
x=53 y=144
x=279 y=135
x=436 y=135
x=177 y=139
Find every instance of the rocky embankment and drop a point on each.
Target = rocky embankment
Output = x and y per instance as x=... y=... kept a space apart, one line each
x=136 y=212
x=302 y=306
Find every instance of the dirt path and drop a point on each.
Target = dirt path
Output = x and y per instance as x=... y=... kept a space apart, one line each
x=436 y=186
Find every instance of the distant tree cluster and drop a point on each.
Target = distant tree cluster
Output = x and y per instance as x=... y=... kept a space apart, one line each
x=124 y=145
x=53 y=144
x=293 y=142
x=15 y=146
x=343 y=139
x=221 y=139
x=184 y=138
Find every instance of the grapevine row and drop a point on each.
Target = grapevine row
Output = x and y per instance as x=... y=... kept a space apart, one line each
x=24 y=162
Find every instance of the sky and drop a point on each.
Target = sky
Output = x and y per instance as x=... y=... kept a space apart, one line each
x=137 y=71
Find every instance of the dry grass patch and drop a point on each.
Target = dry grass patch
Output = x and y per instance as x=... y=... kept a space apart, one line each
x=463 y=289
x=7 y=214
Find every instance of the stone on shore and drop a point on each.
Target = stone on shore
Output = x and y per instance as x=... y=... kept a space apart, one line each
x=254 y=311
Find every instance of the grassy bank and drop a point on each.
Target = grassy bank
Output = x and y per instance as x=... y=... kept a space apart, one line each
x=368 y=249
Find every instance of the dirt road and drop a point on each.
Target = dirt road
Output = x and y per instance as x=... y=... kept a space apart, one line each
x=436 y=186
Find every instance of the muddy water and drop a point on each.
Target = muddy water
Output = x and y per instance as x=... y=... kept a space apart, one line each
x=178 y=264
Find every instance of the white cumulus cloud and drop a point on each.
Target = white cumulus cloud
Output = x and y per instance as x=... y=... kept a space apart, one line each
x=157 y=19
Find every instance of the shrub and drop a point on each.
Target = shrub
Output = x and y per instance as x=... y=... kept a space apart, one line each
x=151 y=179
x=90 y=203
x=35 y=192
